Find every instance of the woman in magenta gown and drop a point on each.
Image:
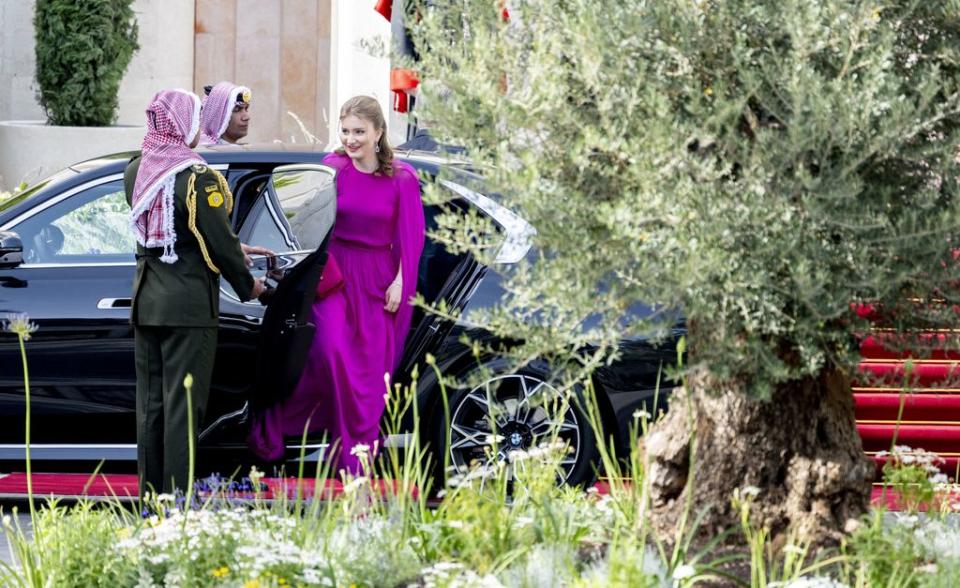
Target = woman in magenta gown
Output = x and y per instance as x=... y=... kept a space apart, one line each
x=361 y=327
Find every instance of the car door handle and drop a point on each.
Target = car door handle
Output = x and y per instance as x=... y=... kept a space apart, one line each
x=108 y=303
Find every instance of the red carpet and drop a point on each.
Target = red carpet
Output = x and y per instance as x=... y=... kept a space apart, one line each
x=124 y=486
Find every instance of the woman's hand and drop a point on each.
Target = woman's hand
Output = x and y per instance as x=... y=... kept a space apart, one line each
x=392 y=297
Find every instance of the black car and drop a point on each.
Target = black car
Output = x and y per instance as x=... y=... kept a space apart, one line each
x=67 y=262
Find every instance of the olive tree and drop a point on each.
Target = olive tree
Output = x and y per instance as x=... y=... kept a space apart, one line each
x=768 y=170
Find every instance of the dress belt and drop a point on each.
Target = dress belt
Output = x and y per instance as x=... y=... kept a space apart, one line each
x=360 y=245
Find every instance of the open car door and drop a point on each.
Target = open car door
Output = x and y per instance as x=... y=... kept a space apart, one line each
x=295 y=220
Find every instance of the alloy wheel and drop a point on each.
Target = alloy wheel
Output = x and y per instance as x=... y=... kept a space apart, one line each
x=512 y=413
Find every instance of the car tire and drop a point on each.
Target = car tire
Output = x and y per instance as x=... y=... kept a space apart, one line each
x=520 y=425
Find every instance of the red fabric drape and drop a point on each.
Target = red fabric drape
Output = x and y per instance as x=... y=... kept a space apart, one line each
x=385 y=8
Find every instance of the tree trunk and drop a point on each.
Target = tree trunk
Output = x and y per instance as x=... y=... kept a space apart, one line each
x=800 y=449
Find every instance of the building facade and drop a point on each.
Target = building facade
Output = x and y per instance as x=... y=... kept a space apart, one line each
x=301 y=58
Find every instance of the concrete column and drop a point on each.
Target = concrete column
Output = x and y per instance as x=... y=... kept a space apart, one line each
x=165 y=58
x=360 y=58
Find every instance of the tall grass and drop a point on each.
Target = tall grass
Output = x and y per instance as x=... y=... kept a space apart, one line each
x=497 y=524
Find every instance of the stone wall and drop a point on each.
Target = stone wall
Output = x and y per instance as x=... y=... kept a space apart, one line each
x=297 y=56
x=301 y=56
x=165 y=58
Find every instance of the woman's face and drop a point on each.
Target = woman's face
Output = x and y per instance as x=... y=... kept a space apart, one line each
x=359 y=138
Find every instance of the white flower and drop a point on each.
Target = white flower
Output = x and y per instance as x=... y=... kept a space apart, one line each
x=20 y=325
x=683 y=572
x=360 y=450
x=354 y=484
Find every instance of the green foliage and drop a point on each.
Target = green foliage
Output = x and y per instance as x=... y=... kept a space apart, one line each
x=536 y=535
x=83 y=48
x=755 y=166
x=914 y=475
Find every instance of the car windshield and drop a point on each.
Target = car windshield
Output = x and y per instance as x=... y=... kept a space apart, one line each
x=18 y=197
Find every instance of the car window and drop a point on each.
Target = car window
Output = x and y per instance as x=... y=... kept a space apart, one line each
x=37 y=188
x=88 y=227
x=297 y=210
x=294 y=211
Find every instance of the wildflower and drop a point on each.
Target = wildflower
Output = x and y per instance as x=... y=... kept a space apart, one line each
x=252 y=583
x=360 y=450
x=166 y=497
x=641 y=414
x=188 y=381
x=255 y=477
x=220 y=572
x=354 y=484
x=20 y=325
x=683 y=572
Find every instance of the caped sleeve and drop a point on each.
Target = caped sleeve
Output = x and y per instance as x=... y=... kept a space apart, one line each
x=407 y=243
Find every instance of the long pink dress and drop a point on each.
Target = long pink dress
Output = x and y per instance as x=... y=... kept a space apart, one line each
x=379 y=228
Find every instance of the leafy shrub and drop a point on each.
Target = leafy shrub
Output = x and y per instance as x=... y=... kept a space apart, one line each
x=83 y=49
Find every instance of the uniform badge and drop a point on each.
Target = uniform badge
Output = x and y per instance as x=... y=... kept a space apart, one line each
x=215 y=199
x=199 y=168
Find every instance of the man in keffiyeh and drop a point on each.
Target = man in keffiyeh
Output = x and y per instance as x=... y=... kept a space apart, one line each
x=180 y=216
x=226 y=114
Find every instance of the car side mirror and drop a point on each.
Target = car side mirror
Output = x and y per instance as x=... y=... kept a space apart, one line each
x=11 y=249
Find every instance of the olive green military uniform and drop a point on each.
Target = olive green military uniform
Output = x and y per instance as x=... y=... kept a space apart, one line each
x=175 y=316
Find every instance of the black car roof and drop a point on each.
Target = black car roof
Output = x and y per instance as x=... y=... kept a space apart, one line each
x=253 y=154
x=264 y=153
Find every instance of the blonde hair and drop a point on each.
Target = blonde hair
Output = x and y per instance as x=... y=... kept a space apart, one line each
x=368 y=109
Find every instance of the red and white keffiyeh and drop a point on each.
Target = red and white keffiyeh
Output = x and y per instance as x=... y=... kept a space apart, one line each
x=173 y=121
x=217 y=109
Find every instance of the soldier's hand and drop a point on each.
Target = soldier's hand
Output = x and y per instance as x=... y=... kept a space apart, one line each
x=249 y=250
x=259 y=285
